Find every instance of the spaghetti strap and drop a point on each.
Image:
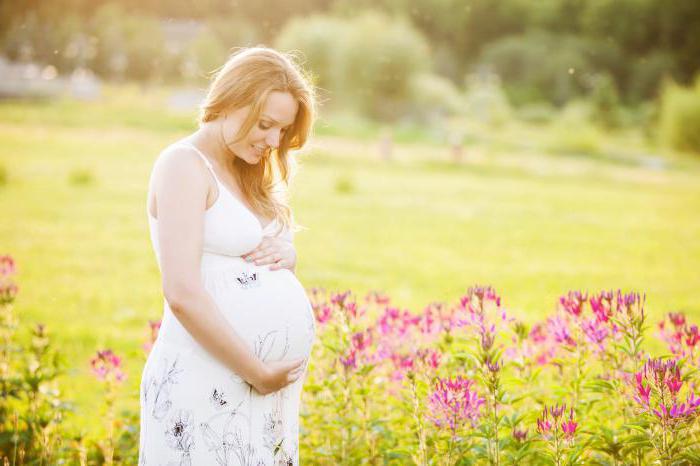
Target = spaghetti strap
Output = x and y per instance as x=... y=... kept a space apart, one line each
x=201 y=155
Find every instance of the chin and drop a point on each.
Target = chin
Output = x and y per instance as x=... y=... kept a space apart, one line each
x=252 y=159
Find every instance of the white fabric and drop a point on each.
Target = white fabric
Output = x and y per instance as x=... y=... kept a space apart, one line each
x=194 y=410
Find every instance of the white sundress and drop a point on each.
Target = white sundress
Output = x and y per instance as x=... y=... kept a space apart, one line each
x=194 y=410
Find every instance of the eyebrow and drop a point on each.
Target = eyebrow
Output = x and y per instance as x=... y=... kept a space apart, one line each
x=275 y=121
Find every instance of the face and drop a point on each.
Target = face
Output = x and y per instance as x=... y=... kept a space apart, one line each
x=275 y=120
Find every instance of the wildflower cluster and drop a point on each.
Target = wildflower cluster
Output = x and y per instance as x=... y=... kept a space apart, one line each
x=457 y=383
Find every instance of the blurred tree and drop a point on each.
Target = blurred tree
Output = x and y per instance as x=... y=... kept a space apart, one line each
x=319 y=38
x=605 y=99
x=539 y=66
x=635 y=42
x=377 y=62
x=367 y=62
x=679 y=121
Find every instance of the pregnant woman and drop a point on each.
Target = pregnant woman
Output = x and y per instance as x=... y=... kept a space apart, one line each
x=223 y=381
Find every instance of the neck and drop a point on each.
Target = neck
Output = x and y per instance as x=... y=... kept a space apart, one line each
x=208 y=140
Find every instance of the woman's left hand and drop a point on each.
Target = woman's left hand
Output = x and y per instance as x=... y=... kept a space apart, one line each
x=273 y=250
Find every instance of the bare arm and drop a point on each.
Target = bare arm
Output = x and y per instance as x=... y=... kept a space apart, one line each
x=181 y=186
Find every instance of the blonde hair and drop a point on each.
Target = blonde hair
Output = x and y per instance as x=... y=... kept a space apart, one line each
x=247 y=78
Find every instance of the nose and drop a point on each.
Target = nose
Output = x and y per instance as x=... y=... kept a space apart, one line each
x=273 y=138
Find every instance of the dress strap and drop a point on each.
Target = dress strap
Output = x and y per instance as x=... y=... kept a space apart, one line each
x=203 y=157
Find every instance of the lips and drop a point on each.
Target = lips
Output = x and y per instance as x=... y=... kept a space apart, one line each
x=258 y=150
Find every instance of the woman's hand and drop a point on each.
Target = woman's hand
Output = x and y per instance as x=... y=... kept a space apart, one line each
x=277 y=375
x=278 y=252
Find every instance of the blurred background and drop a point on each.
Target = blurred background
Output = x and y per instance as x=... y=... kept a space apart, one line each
x=534 y=146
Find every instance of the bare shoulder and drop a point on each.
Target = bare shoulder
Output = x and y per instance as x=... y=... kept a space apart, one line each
x=179 y=164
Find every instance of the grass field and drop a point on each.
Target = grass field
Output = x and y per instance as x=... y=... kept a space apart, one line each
x=420 y=227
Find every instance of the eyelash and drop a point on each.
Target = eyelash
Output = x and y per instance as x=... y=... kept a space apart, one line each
x=260 y=125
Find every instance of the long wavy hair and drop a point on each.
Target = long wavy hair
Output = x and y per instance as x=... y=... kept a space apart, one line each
x=247 y=78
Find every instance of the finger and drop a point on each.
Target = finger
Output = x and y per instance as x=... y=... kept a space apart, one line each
x=268 y=259
x=280 y=264
x=249 y=255
x=294 y=363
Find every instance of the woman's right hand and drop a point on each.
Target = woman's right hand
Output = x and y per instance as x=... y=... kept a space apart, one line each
x=277 y=375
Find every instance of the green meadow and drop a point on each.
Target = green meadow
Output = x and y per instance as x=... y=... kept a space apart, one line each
x=518 y=212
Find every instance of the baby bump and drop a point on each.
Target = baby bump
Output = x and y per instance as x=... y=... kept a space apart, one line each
x=269 y=309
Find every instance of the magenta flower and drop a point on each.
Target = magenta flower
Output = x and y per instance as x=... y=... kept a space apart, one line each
x=403 y=362
x=595 y=332
x=7 y=266
x=680 y=336
x=375 y=297
x=559 y=329
x=350 y=360
x=339 y=298
x=483 y=294
x=154 y=327
x=323 y=314
x=677 y=319
x=601 y=305
x=538 y=334
x=519 y=435
x=429 y=357
x=397 y=324
x=553 y=417
x=692 y=337
x=107 y=366
x=8 y=289
x=453 y=402
x=643 y=391
x=544 y=424
x=569 y=426
x=573 y=302
x=631 y=304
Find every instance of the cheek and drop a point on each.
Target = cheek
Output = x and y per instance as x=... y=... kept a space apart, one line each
x=255 y=135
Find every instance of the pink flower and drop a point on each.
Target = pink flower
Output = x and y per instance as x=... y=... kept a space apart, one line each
x=519 y=435
x=674 y=383
x=350 y=361
x=573 y=302
x=544 y=425
x=601 y=304
x=7 y=266
x=692 y=337
x=429 y=357
x=453 y=402
x=560 y=331
x=107 y=366
x=362 y=340
x=569 y=426
x=154 y=327
x=643 y=391
x=677 y=319
x=8 y=289
x=631 y=305
x=552 y=416
x=595 y=333
x=323 y=314
x=377 y=298
x=537 y=334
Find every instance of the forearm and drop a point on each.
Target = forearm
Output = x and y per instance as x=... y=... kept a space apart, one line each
x=200 y=316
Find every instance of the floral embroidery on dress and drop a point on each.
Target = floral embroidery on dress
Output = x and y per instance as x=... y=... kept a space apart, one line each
x=290 y=459
x=228 y=444
x=265 y=343
x=179 y=435
x=224 y=442
x=158 y=389
x=273 y=428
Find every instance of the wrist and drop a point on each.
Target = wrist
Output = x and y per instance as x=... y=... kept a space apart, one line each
x=259 y=375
